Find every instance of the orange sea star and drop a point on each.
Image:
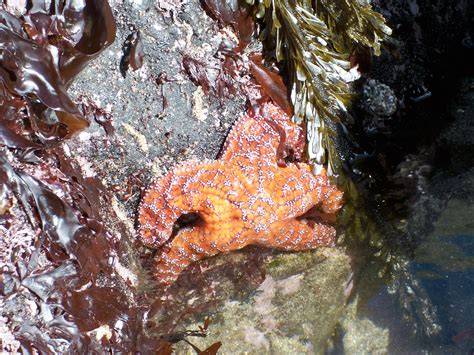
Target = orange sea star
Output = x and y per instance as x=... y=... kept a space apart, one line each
x=247 y=196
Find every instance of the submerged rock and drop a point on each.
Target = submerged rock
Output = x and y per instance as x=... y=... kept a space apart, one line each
x=363 y=335
x=295 y=309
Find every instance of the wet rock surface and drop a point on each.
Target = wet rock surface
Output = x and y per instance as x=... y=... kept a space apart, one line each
x=160 y=116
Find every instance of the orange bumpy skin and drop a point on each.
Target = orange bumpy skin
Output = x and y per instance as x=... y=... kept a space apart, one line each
x=244 y=197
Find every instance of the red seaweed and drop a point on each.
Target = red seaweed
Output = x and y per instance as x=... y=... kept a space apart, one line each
x=46 y=45
x=133 y=53
x=271 y=83
x=196 y=71
x=221 y=86
x=236 y=14
x=136 y=52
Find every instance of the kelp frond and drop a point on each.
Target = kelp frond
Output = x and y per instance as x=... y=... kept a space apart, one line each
x=314 y=40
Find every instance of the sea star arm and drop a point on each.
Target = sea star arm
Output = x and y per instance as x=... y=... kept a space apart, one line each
x=194 y=244
x=332 y=201
x=295 y=191
x=193 y=187
x=268 y=134
x=188 y=247
x=296 y=234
